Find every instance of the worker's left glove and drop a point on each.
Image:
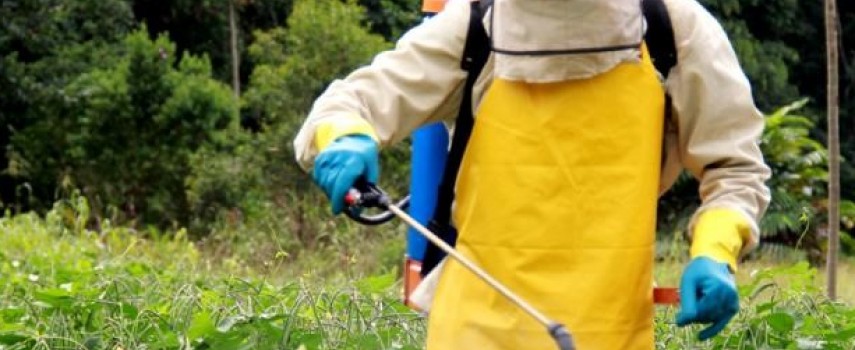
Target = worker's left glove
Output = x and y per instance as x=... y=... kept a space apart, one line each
x=708 y=293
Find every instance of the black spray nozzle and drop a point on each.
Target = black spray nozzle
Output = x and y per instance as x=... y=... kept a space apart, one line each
x=561 y=336
x=364 y=194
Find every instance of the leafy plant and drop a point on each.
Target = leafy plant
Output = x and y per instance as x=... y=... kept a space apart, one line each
x=324 y=40
x=781 y=308
x=799 y=165
x=253 y=177
x=65 y=286
x=43 y=46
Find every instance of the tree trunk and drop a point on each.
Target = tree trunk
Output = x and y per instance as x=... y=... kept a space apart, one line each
x=235 y=52
x=833 y=147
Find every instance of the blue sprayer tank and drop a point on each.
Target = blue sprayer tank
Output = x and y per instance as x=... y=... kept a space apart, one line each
x=428 y=155
x=429 y=152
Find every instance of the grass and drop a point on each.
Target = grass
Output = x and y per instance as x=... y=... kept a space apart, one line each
x=63 y=286
x=782 y=307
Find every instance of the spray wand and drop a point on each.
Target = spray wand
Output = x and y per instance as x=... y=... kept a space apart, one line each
x=367 y=195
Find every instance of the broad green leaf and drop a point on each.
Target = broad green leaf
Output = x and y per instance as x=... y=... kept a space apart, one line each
x=11 y=314
x=844 y=335
x=311 y=341
x=13 y=337
x=376 y=284
x=129 y=310
x=201 y=327
x=233 y=340
x=138 y=269
x=55 y=297
x=765 y=306
x=781 y=322
x=165 y=340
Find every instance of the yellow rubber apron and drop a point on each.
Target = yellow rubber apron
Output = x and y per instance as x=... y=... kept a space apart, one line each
x=557 y=199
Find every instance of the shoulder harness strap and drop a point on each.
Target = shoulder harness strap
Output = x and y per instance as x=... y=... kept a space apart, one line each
x=476 y=50
x=659 y=36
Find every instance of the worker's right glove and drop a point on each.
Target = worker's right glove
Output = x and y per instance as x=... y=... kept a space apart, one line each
x=707 y=295
x=342 y=162
x=708 y=291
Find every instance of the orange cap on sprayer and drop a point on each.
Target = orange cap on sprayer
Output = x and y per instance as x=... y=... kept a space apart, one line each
x=432 y=6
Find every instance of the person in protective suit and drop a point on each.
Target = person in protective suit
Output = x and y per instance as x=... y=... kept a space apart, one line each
x=557 y=191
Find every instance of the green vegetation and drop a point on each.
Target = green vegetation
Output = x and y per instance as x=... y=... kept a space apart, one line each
x=781 y=308
x=68 y=287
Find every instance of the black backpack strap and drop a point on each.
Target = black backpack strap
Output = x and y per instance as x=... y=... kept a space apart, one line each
x=659 y=36
x=476 y=50
x=662 y=48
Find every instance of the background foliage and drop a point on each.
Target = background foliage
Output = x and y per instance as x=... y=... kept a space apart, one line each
x=128 y=102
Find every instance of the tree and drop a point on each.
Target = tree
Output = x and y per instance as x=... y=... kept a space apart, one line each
x=760 y=33
x=391 y=18
x=833 y=147
x=324 y=40
x=780 y=44
x=43 y=46
x=123 y=134
x=204 y=27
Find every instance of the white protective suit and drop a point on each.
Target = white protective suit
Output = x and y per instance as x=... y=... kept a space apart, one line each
x=557 y=191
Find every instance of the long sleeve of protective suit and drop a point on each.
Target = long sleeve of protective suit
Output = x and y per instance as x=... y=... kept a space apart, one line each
x=718 y=129
x=714 y=133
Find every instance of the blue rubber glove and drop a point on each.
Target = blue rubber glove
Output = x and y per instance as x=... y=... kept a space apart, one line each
x=707 y=295
x=344 y=161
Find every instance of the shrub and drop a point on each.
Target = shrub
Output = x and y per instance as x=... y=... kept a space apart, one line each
x=124 y=133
